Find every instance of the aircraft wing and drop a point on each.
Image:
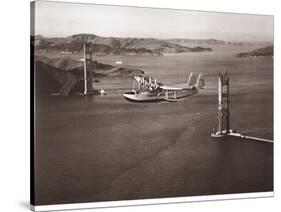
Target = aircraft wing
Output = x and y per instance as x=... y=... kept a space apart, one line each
x=170 y=88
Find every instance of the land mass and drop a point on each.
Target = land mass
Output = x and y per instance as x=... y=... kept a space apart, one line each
x=111 y=45
x=265 y=51
x=215 y=42
x=183 y=41
x=65 y=75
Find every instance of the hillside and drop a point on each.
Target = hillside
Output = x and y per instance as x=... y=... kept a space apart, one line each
x=65 y=75
x=202 y=42
x=265 y=51
x=111 y=45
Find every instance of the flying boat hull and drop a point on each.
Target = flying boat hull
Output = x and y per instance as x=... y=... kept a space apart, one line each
x=148 y=90
x=147 y=96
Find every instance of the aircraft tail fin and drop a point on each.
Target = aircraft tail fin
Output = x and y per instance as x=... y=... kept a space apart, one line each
x=200 y=82
x=191 y=80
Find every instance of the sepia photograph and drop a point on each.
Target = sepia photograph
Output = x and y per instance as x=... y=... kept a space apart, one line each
x=135 y=103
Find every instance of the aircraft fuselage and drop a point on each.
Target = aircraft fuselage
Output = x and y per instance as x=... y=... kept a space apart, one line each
x=160 y=95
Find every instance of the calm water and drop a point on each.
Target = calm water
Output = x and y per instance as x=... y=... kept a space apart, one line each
x=100 y=148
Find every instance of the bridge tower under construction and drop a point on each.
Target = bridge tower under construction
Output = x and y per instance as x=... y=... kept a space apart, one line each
x=88 y=69
x=223 y=106
x=90 y=64
x=223 y=113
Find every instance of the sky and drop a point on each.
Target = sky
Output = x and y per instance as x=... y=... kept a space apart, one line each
x=60 y=19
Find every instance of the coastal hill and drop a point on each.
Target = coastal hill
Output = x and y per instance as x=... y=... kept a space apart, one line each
x=265 y=51
x=65 y=75
x=183 y=41
x=111 y=45
x=215 y=42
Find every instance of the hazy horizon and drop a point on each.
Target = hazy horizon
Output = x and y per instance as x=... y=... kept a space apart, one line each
x=61 y=19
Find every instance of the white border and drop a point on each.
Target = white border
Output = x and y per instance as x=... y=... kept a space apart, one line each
x=173 y=200
x=158 y=4
x=14 y=125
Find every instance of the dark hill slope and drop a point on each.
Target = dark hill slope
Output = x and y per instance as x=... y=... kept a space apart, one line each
x=65 y=75
x=50 y=79
x=265 y=51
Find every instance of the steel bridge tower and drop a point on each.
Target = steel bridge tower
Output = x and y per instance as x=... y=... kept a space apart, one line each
x=90 y=64
x=223 y=106
x=88 y=69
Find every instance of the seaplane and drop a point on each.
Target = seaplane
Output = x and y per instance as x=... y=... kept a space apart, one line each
x=149 y=90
